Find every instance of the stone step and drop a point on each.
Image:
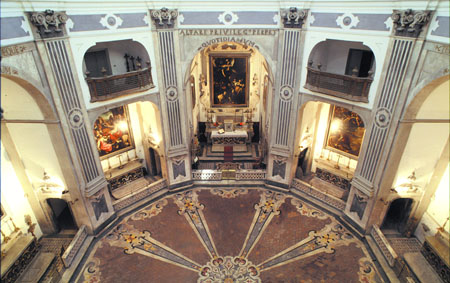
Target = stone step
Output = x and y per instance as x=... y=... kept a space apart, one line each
x=421 y=268
x=37 y=268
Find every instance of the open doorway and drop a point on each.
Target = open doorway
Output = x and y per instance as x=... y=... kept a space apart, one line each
x=397 y=215
x=62 y=214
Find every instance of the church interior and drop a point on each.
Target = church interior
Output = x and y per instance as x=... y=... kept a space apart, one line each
x=215 y=141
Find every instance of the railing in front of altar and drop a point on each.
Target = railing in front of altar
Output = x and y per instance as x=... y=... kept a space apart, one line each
x=349 y=87
x=108 y=87
x=219 y=175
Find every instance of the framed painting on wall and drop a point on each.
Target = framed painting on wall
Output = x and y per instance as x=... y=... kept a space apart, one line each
x=112 y=132
x=345 y=132
x=229 y=80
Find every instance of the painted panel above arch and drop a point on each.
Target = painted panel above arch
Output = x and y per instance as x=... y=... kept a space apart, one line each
x=110 y=21
x=228 y=18
x=373 y=22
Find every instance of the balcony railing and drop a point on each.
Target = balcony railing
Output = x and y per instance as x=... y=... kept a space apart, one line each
x=349 y=87
x=108 y=87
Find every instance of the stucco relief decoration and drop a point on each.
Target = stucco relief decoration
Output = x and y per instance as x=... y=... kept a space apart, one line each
x=49 y=23
x=171 y=93
x=279 y=166
x=76 y=118
x=111 y=21
x=286 y=92
x=347 y=21
x=382 y=117
x=178 y=166
x=359 y=204
x=293 y=18
x=164 y=17
x=228 y=18
x=409 y=22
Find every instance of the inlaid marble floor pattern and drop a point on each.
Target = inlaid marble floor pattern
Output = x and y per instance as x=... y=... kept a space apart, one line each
x=229 y=235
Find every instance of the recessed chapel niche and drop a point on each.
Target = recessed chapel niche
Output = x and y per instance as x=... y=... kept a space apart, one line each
x=231 y=82
x=329 y=143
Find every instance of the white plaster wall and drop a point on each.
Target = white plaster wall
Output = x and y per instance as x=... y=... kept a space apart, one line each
x=14 y=200
x=81 y=43
x=422 y=151
x=116 y=52
x=36 y=150
x=438 y=211
x=17 y=103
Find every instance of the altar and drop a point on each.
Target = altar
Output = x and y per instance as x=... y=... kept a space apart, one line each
x=236 y=138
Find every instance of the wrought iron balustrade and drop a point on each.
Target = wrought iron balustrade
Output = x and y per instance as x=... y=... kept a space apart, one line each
x=348 y=87
x=108 y=87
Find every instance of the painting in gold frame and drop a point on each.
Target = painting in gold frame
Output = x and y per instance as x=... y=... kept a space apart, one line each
x=345 y=131
x=112 y=132
x=229 y=80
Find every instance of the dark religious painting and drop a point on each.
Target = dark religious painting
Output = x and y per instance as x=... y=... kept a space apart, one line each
x=112 y=132
x=345 y=131
x=229 y=80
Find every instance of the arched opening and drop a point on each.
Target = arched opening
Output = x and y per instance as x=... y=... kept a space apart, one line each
x=129 y=143
x=117 y=68
x=397 y=216
x=32 y=148
x=341 y=68
x=229 y=90
x=328 y=144
x=62 y=215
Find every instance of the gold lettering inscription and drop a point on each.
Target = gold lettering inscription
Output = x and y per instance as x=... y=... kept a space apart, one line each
x=228 y=32
x=13 y=50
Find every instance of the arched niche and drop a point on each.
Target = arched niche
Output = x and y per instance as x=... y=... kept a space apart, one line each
x=34 y=143
x=342 y=69
x=209 y=105
x=328 y=142
x=419 y=161
x=130 y=143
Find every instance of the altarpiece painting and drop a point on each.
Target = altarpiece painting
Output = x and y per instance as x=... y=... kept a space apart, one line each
x=112 y=132
x=229 y=80
x=345 y=131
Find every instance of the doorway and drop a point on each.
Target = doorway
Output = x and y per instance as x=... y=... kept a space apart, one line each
x=155 y=167
x=397 y=215
x=62 y=214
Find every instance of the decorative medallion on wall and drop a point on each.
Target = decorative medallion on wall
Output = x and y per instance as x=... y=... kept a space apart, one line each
x=293 y=18
x=359 y=204
x=286 y=92
x=171 y=93
x=347 y=21
x=164 y=17
x=111 y=21
x=382 y=117
x=409 y=22
x=76 y=118
x=49 y=23
x=228 y=18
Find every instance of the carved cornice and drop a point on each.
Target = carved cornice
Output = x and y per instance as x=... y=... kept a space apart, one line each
x=164 y=17
x=410 y=23
x=293 y=18
x=49 y=23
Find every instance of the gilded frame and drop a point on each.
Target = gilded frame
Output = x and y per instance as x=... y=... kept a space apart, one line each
x=348 y=138
x=229 y=79
x=112 y=132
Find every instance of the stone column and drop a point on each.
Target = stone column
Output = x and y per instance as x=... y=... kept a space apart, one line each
x=54 y=49
x=284 y=114
x=398 y=71
x=172 y=103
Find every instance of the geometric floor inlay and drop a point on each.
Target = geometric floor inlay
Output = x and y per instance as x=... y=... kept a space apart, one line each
x=229 y=235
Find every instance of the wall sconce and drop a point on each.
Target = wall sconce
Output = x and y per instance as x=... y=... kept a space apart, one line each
x=409 y=186
x=49 y=186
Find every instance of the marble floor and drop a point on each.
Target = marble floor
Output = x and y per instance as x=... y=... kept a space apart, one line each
x=229 y=235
